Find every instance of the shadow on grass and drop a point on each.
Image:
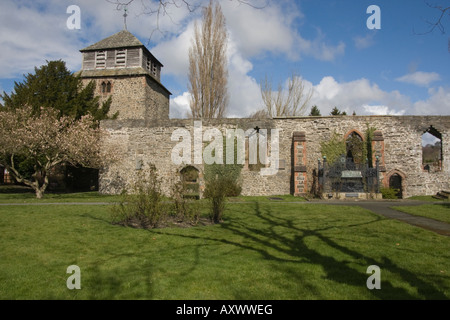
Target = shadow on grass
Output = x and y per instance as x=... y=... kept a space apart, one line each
x=11 y=188
x=443 y=204
x=282 y=240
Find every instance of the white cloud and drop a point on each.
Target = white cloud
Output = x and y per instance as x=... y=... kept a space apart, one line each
x=271 y=31
x=258 y=31
x=318 y=48
x=365 y=97
x=174 y=53
x=245 y=94
x=428 y=138
x=360 y=96
x=438 y=103
x=35 y=31
x=364 y=42
x=419 y=78
x=179 y=106
x=382 y=110
x=32 y=36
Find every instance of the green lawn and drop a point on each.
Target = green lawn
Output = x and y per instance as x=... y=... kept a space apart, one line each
x=427 y=199
x=30 y=197
x=436 y=211
x=27 y=196
x=263 y=250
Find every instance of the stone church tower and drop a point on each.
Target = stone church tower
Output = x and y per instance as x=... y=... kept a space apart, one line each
x=124 y=69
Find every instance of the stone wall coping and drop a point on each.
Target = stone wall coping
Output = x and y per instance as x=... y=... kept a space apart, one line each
x=247 y=123
x=404 y=117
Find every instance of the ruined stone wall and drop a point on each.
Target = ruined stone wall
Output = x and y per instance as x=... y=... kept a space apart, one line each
x=398 y=144
x=400 y=150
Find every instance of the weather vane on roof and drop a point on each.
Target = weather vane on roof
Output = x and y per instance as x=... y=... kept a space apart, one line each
x=125 y=15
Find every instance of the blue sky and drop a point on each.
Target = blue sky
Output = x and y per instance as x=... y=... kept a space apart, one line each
x=393 y=70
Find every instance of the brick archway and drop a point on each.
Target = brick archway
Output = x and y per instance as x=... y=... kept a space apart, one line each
x=389 y=177
x=359 y=133
x=354 y=141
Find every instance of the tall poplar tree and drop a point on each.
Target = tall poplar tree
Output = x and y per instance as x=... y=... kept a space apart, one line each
x=208 y=69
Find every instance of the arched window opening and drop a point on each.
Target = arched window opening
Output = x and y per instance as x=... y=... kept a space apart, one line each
x=432 y=150
x=106 y=87
x=191 y=183
x=355 y=148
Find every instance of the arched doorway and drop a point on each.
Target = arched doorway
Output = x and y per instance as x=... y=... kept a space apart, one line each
x=396 y=183
x=190 y=176
x=396 y=180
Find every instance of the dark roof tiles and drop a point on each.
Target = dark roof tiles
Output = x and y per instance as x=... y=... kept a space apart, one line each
x=120 y=39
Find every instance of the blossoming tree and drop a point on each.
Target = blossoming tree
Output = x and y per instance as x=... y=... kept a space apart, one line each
x=47 y=140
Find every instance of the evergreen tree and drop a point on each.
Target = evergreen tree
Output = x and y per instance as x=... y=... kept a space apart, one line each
x=315 y=112
x=54 y=86
x=335 y=112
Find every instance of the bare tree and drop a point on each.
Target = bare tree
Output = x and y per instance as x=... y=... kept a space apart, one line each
x=208 y=70
x=438 y=23
x=163 y=8
x=285 y=102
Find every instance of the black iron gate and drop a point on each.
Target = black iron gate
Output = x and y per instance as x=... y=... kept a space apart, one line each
x=344 y=175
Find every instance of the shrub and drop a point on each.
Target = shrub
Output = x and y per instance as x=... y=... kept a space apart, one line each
x=333 y=148
x=216 y=193
x=184 y=208
x=229 y=173
x=141 y=206
x=389 y=193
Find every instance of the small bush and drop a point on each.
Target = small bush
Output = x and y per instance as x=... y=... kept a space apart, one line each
x=389 y=193
x=142 y=205
x=216 y=192
x=184 y=208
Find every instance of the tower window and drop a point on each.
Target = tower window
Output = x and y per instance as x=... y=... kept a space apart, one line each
x=100 y=59
x=153 y=68
x=106 y=87
x=121 y=57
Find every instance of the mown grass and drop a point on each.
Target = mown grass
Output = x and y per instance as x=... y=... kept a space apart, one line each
x=9 y=194
x=28 y=196
x=277 y=198
x=263 y=250
x=426 y=199
x=437 y=211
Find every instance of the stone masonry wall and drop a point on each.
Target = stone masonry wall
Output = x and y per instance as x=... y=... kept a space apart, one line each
x=398 y=143
x=137 y=97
